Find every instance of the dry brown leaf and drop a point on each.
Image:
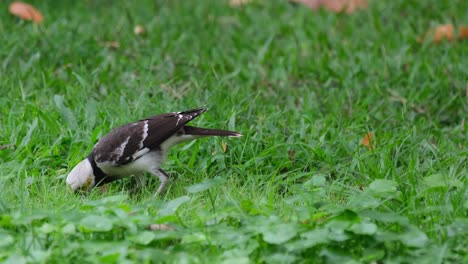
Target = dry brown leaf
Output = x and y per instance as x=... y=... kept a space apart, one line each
x=462 y=32
x=337 y=6
x=139 y=30
x=25 y=11
x=224 y=145
x=164 y=227
x=347 y=6
x=239 y=2
x=368 y=141
x=443 y=31
x=439 y=33
x=110 y=44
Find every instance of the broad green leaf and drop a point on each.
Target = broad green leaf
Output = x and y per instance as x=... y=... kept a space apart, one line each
x=110 y=258
x=348 y=216
x=381 y=186
x=318 y=180
x=6 y=239
x=171 y=207
x=194 y=238
x=15 y=259
x=413 y=237
x=335 y=256
x=459 y=227
x=94 y=246
x=6 y=221
x=436 y=180
x=386 y=236
x=364 y=228
x=96 y=223
x=385 y=217
x=339 y=224
x=143 y=238
x=205 y=185
x=166 y=235
x=47 y=228
x=363 y=200
x=279 y=233
x=439 y=180
x=337 y=234
x=280 y=258
x=372 y=255
x=36 y=216
x=309 y=239
x=238 y=260
x=40 y=256
x=69 y=229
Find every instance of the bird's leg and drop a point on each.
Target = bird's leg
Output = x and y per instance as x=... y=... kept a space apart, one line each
x=163 y=178
x=140 y=181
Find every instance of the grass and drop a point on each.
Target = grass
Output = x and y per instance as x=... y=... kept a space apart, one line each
x=304 y=88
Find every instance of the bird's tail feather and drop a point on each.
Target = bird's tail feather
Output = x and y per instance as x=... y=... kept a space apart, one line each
x=198 y=131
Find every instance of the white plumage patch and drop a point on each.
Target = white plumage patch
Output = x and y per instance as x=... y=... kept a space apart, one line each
x=179 y=117
x=145 y=133
x=118 y=152
x=146 y=163
x=140 y=153
x=174 y=140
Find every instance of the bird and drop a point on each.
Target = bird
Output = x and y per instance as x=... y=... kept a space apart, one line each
x=137 y=148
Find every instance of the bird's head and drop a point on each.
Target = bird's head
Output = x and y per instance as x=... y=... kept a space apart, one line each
x=81 y=178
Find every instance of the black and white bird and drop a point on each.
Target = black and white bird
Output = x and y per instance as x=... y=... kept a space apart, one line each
x=138 y=148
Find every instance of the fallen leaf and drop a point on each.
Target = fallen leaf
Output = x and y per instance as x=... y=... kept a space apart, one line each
x=110 y=44
x=443 y=31
x=462 y=32
x=337 y=6
x=347 y=6
x=139 y=30
x=368 y=141
x=239 y=2
x=224 y=145
x=439 y=33
x=164 y=227
x=25 y=11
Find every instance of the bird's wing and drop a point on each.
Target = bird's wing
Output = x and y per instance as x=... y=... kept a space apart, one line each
x=129 y=142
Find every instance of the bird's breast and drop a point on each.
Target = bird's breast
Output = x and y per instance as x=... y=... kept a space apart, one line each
x=146 y=163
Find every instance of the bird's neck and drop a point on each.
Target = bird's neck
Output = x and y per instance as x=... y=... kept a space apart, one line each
x=99 y=176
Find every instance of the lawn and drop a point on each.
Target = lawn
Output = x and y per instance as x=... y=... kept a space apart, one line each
x=303 y=87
